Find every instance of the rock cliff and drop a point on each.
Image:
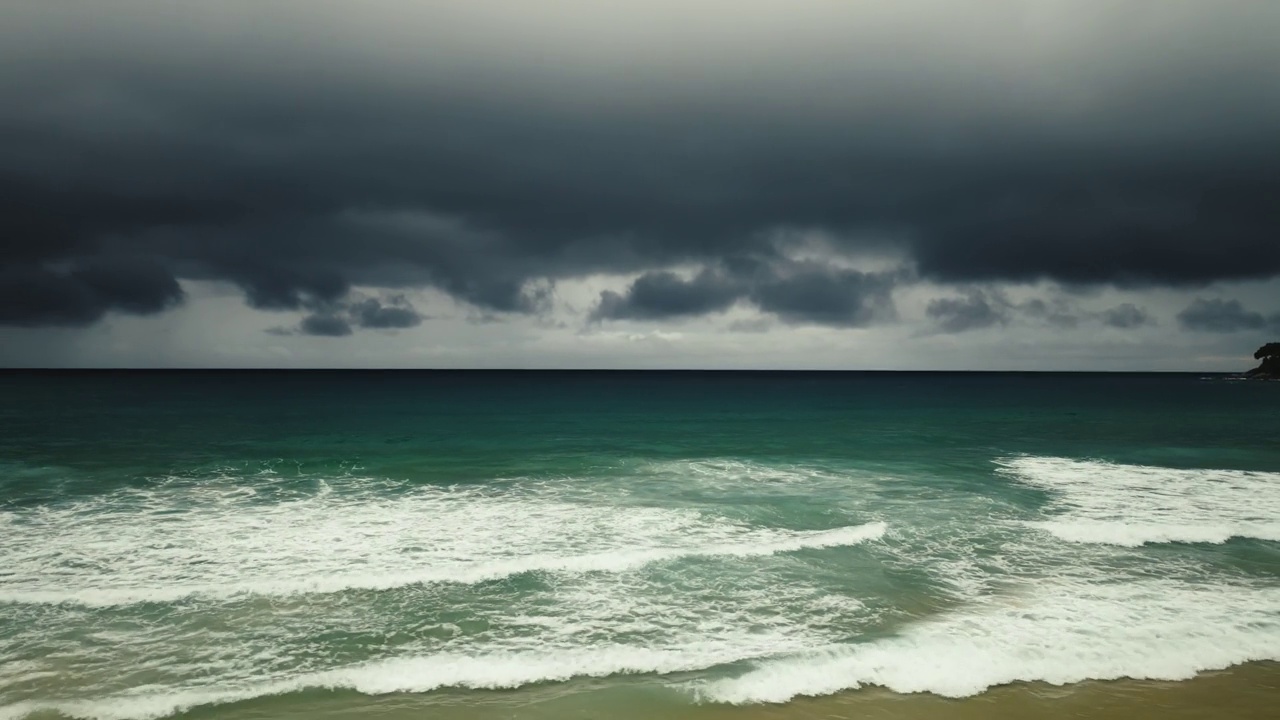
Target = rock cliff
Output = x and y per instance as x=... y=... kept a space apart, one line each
x=1269 y=354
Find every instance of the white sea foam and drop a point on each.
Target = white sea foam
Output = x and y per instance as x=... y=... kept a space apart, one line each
x=1062 y=633
x=1068 y=614
x=423 y=674
x=1023 y=604
x=168 y=544
x=591 y=625
x=724 y=473
x=1131 y=505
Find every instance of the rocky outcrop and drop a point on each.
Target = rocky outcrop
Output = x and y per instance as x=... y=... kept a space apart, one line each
x=1269 y=354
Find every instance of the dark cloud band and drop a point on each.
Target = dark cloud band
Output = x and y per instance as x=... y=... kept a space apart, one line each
x=81 y=295
x=300 y=159
x=795 y=292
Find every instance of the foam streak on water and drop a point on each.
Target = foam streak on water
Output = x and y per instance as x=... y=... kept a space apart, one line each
x=162 y=546
x=1062 y=633
x=1101 y=502
x=424 y=674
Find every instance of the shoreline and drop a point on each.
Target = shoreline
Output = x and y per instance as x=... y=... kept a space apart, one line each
x=1243 y=692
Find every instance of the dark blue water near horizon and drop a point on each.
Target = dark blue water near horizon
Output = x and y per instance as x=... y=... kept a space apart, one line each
x=1121 y=416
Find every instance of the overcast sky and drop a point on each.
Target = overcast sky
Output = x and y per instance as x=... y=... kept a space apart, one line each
x=1075 y=184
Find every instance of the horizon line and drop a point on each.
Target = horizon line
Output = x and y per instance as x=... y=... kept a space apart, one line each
x=35 y=369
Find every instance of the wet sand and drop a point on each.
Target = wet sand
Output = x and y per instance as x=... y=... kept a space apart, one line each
x=1246 y=692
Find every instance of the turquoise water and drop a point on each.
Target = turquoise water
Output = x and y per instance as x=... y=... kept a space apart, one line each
x=197 y=543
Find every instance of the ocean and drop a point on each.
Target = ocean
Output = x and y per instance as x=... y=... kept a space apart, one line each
x=637 y=545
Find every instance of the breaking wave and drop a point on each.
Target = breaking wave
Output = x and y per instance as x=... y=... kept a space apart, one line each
x=1131 y=505
x=163 y=546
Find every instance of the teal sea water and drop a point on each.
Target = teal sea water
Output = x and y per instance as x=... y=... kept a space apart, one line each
x=274 y=544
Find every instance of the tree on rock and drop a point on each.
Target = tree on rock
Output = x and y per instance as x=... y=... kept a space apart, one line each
x=1269 y=354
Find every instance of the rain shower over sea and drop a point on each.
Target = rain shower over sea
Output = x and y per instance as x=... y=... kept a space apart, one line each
x=637 y=545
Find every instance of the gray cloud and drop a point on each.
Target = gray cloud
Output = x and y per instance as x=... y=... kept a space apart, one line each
x=324 y=326
x=823 y=296
x=340 y=318
x=303 y=149
x=372 y=313
x=983 y=308
x=1224 y=316
x=1126 y=317
x=1058 y=313
x=663 y=294
x=795 y=292
x=754 y=325
x=975 y=311
x=286 y=289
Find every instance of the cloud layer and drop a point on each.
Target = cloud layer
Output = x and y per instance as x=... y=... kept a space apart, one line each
x=297 y=150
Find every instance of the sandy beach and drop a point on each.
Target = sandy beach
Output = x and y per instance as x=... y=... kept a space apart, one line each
x=1245 y=692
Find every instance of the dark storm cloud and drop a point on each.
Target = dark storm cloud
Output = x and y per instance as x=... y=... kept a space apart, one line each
x=283 y=289
x=1224 y=316
x=372 y=313
x=1097 y=230
x=799 y=293
x=340 y=318
x=33 y=296
x=661 y=295
x=325 y=326
x=822 y=296
x=298 y=150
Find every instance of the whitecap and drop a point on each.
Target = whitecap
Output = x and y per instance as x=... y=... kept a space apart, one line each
x=1132 y=505
x=1062 y=633
x=164 y=546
